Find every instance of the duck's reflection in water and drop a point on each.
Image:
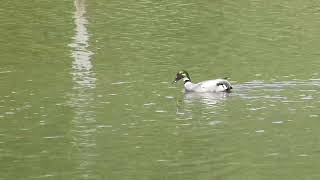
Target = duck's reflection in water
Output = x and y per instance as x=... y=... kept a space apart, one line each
x=191 y=101
x=210 y=99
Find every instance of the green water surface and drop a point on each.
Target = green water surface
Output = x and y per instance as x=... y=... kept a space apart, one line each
x=86 y=90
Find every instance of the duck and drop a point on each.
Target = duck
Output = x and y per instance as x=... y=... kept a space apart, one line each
x=208 y=86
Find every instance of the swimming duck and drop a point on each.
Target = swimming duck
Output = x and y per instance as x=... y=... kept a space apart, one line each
x=217 y=85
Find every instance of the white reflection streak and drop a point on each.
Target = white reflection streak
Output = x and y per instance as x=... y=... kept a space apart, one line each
x=82 y=65
x=83 y=129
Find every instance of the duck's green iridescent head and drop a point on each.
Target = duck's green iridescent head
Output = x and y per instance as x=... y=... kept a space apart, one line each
x=180 y=75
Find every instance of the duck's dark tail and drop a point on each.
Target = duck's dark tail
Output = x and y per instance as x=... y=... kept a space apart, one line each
x=225 y=85
x=229 y=89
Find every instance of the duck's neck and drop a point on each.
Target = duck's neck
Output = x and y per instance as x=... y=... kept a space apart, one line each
x=185 y=80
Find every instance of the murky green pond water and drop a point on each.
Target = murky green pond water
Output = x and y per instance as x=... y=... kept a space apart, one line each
x=86 y=90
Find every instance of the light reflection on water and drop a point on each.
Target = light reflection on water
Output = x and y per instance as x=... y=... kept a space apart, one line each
x=84 y=122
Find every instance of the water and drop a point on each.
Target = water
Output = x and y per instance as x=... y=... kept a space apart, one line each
x=86 y=90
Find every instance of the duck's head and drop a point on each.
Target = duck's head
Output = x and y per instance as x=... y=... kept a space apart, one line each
x=180 y=75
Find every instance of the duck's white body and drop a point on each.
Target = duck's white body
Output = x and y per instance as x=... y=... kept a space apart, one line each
x=217 y=85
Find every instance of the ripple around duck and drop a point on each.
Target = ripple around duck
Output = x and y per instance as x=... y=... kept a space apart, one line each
x=259 y=89
x=260 y=100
